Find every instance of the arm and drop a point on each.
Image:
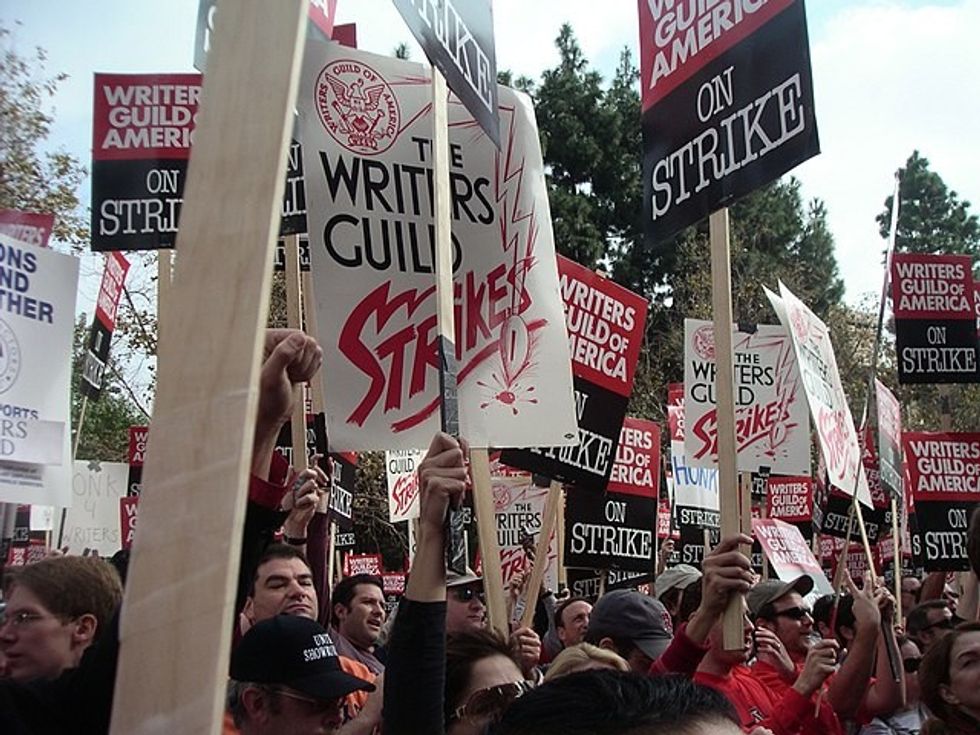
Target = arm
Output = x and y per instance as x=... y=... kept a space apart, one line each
x=885 y=695
x=415 y=676
x=847 y=688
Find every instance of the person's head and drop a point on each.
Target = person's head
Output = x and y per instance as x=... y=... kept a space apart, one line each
x=679 y=589
x=949 y=678
x=929 y=622
x=635 y=626
x=823 y=613
x=582 y=657
x=283 y=584
x=482 y=678
x=286 y=677
x=911 y=659
x=572 y=620
x=911 y=587
x=466 y=607
x=55 y=609
x=604 y=702
x=359 y=609
x=778 y=606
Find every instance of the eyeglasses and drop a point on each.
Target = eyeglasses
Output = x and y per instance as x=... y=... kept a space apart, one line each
x=796 y=613
x=320 y=705
x=492 y=702
x=911 y=664
x=465 y=594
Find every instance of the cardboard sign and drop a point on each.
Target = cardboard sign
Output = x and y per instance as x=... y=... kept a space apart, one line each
x=829 y=409
x=457 y=36
x=889 y=414
x=37 y=318
x=128 y=510
x=519 y=510
x=789 y=553
x=365 y=123
x=97 y=354
x=935 y=319
x=394 y=583
x=637 y=467
x=790 y=499
x=137 y=451
x=141 y=140
x=401 y=472
x=727 y=105
x=609 y=531
x=943 y=473
x=92 y=521
x=30 y=227
x=363 y=564
x=587 y=582
x=772 y=428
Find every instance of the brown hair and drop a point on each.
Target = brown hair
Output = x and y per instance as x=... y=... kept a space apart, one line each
x=463 y=650
x=933 y=675
x=72 y=586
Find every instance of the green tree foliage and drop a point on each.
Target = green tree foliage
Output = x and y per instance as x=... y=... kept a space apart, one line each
x=33 y=179
x=931 y=218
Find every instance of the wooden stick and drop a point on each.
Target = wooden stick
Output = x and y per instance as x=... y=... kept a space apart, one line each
x=486 y=523
x=74 y=456
x=869 y=555
x=312 y=328
x=562 y=572
x=541 y=552
x=294 y=320
x=178 y=609
x=331 y=552
x=721 y=307
x=897 y=561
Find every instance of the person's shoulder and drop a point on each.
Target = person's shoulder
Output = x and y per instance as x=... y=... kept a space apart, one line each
x=356 y=668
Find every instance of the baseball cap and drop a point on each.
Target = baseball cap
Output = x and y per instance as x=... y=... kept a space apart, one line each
x=454 y=579
x=771 y=590
x=634 y=616
x=295 y=652
x=679 y=577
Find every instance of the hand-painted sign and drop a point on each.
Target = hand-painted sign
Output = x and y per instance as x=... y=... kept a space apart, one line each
x=92 y=522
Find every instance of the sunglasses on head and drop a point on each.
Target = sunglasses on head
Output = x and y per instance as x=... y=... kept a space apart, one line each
x=465 y=594
x=796 y=613
x=492 y=701
x=911 y=664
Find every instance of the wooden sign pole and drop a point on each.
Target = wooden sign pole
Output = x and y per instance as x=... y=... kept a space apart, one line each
x=178 y=608
x=728 y=490
x=294 y=319
x=897 y=561
x=541 y=552
x=486 y=523
x=562 y=572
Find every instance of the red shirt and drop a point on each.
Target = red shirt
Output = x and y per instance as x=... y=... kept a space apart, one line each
x=826 y=723
x=757 y=705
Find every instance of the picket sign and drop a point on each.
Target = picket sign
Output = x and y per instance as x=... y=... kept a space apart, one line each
x=179 y=601
x=541 y=552
x=728 y=489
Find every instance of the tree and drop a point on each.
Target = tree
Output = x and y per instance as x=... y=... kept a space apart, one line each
x=32 y=179
x=931 y=218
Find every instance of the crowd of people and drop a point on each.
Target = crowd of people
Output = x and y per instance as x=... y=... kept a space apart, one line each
x=308 y=658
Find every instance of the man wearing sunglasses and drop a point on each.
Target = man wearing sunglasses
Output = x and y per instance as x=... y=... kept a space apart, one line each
x=929 y=623
x=466 y=605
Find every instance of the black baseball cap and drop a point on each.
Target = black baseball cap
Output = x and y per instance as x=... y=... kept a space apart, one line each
x=295 y=652
x=633 y=616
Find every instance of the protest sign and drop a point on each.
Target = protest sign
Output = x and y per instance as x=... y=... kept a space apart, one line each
x=587 y=583
x=855 y=562
x=935 y=318
x=519 y=508
x=137 y=451
x=637 y=467
x=789 y=553
x=401 y=471
x=128 y=511
x=141 y=140
x=37 y=317
x=609 y=530
x=727 y=105
x=889 y=414
x=457 y=36
x=366 y=123
x=97 y=354
x=363 y=564
x=943 y=473
x=790 y=499
x=92 y=521
x=829 y=409
x=771 y=423
x=30 y=227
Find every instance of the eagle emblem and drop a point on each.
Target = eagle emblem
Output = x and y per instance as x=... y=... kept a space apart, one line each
x=357 y=107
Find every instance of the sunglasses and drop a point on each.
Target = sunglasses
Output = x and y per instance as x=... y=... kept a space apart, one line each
x=466 y=594
x=796 y=613
x=491 y=702
x=911 y=665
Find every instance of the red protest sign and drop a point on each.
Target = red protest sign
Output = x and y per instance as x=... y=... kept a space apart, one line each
x=128 y=508
x=137 y=444
x=29 y=227
x=393 y=583
x=322 y=13
x=116 y=267
x=637 y=467
x=790 y=499
x=362 y=564
x=787 y=551
x=605 y=327
x=943 y=467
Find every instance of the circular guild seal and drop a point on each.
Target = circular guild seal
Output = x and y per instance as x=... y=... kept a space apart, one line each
x=9 y=357
x=704 y=342
x=357 y=107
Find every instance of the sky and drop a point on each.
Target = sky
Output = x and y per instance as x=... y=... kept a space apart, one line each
x=890 y=76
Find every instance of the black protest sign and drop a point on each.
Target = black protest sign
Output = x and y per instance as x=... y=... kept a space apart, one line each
x=889 y=440
x=588 y=582
x=293 y=212
x=935 y=319
x=142 y=132
x=609 y=530
x=303 y=242
x=457 y=36
x=727 y=106
x=137 y=451
x=589 y=463
x=692 y=523
x=344 y=474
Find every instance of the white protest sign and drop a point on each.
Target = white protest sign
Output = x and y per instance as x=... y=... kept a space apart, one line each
x=366 y=124
x=789 y=553
x=829 y=410
x=37 y=318
x=694 y=487
x=401 y=471
x=92 y=522
x=519 y=508
x=772 y=427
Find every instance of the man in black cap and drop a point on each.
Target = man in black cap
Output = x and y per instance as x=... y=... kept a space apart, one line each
x=635 y=626
x=286 y=678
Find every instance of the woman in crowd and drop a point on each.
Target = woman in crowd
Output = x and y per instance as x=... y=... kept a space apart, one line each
x=950 y=681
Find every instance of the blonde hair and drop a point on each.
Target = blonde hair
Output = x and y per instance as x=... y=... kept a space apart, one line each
x=584 y=656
